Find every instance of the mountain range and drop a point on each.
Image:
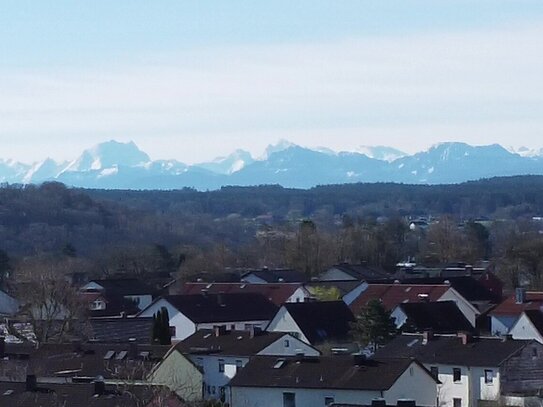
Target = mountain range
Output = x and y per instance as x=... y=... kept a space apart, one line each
x=115 y=165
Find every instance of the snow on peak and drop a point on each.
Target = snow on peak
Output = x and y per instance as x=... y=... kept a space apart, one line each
x=281 y=145
x=383 y=153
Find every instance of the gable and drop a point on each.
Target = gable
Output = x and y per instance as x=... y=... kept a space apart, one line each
x=295 y=347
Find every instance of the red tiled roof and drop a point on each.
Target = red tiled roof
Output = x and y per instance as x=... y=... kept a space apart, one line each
x=277 y=293
x=392 y=295
x=534 y=301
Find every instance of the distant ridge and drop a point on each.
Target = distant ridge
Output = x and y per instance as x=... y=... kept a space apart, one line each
x=116 y=165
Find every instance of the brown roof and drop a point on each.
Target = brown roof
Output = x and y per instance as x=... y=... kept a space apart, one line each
x=278 y=293
x=232 y=343
x=392 y=295
x=534 y=301
x=324 y=372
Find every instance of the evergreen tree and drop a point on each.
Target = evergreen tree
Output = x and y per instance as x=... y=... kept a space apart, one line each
x=165 y=335
x=374 y=326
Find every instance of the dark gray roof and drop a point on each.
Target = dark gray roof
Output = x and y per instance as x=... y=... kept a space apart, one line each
x=449 y=350
x=322 y=321
x=362 y=272
x=121 y=329
x=324 y=372
x=124 y=286
x=224 y=307
x=279 y=275
x=78 y=395
x=536 y=318
x=232 y=343
x=439 y=317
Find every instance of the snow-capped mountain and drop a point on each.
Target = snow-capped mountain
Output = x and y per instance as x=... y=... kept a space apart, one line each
x=229 y=164
x=527 y=152
x=381 y=152
x=124 y=166
x=107 y=155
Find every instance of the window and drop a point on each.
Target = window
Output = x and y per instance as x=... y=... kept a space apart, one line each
x=286 y=343
x=200 y=362
x=172 y=331
x=457 y=402
x=221 y=365
x=457 y=374
x=411 y=371
x=233 y=327
x=488 y=376
x=289 y=399
x=328 y=400
x=212 y=389
x=534 y=352
x=434 y=370
x=247 y=327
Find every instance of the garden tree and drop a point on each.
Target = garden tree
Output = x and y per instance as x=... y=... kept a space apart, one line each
x=476 y=242
x=5 y=268
x=304 y=251
x=528 y=254
x=373 y=326
x=161 y=327
x=53 y=307
x=443 y=241
x=326 y=293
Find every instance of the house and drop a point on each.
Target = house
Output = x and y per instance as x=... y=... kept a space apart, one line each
x=392 y=295
x=113 y=296
x=357 y=272
x=341 y=288
x=273 y=276
x=474 y=370
x=324 y=380
x=189 y=313
x=31 y=393
x=506 y=314
x=314 y=322
x=438 y=317
x=220 y=353
x=529 y=326
x=278 y=293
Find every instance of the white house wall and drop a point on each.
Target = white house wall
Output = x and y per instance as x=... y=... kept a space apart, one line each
x=501 y=325
x=415 y=383
x=283 y=322
x=524 y=329
x=294 y=347
x=184 y=327
x=235 y=325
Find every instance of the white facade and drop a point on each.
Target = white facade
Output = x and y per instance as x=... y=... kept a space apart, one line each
x=474 y=384
x=414 y=383
x=283 y=322
x=525 y=329
x=141 y=301
x=300 y=295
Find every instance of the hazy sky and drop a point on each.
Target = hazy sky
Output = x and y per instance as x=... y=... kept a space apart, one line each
x=194 y=79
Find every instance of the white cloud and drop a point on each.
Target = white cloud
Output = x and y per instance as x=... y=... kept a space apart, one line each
x=481 y=86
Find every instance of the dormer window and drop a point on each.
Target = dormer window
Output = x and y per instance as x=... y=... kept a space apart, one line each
x=97 y=305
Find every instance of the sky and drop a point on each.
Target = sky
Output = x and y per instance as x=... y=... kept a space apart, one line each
x=192 y=80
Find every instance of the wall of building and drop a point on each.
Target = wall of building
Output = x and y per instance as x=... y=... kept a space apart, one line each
x=501 y=325
x=524 y=329
x=463 y=305
x=523 y=372
x=295 y=346
x=283 y=322
x=179 y=375
x=184 y=327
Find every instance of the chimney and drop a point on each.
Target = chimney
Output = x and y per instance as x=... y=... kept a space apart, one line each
x=2 y=347
x=465 y=337
x=220 y=299
x=132 y=348
x=99 y=386
x=520 y=295
x=427 y=336
x=469 y=270
x=31 y=382
x=219 y=330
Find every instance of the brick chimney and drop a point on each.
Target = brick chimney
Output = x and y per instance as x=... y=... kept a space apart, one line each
x=465 y=337
x=427 y=336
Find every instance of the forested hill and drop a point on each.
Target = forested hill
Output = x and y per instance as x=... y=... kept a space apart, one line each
x=38 y=219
